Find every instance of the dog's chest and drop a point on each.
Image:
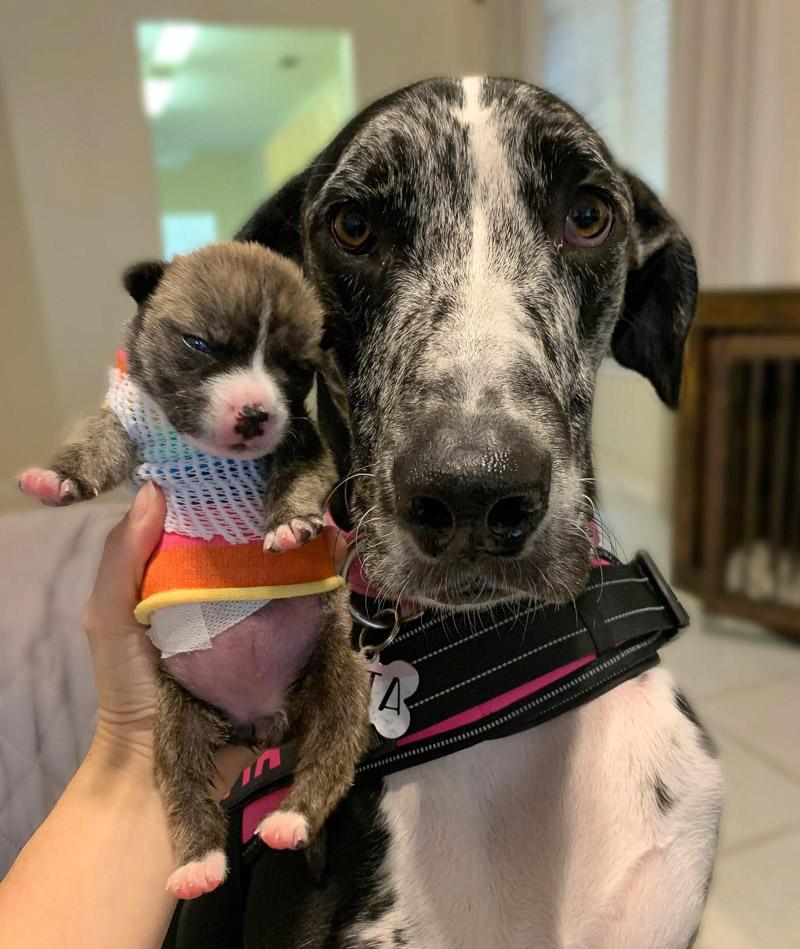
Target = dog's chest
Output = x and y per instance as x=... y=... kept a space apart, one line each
x=462 y=858
x=526 y=841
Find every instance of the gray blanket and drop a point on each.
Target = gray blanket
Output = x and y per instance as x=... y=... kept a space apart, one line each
x=48 y=559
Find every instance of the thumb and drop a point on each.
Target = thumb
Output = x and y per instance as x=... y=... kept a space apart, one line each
x=127 y=549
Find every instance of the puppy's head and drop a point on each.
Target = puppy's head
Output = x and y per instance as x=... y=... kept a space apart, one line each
x=478 y=252
x=224 y=340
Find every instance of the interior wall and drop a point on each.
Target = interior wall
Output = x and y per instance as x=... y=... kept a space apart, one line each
x=305 y=133
x=236 y=176
x=82 y=172
x=27 y=399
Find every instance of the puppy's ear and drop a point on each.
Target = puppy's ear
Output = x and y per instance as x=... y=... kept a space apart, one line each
x=660 y=297
x=276 y=223
x=140 y=280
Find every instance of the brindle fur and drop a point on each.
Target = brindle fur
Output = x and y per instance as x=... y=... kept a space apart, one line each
x=298 y=489
x=220 y=293
x=333 y=689
x=96 y=458
x=188 y=733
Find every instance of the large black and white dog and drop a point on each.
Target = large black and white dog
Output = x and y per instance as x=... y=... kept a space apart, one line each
x=478 y=252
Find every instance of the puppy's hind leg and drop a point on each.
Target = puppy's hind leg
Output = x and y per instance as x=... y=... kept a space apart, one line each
x=328 y=714
x=187 y=736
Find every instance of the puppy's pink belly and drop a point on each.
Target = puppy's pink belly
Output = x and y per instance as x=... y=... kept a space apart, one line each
x=251 y=665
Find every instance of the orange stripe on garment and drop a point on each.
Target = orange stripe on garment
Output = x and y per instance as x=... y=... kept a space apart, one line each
x=240 y=567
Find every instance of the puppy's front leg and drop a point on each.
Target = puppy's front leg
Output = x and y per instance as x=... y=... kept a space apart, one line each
x=302 y=477
x=98 y=457
x=328 y=715
x=187 y=736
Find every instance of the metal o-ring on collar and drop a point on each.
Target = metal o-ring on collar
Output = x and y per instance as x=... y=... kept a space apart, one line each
x=385 y=621
x=380 y=625
x=372 y=650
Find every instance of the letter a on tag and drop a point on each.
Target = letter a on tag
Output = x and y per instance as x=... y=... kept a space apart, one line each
x=391 y=686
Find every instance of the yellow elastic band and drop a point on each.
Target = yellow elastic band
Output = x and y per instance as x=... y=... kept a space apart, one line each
x=158 y=601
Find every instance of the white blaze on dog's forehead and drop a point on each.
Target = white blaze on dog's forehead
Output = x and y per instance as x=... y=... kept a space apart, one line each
x=488 y=323
x=493 y=172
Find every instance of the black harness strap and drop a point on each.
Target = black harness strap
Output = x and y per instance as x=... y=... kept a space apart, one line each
x=612 y=632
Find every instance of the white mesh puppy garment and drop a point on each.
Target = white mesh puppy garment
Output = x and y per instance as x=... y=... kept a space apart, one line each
x=206 y=496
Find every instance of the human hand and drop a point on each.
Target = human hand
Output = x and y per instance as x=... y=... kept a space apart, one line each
x=125 y=661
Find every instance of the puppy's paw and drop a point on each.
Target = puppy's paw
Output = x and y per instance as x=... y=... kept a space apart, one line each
x=198 y=877
x=290 y=536
x=49 y=487
x=284 y=830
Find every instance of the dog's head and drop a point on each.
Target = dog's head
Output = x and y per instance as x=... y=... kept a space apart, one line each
x=225 y=340
x=478 y=252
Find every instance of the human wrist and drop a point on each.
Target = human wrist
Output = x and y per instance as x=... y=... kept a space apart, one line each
x=121 y=750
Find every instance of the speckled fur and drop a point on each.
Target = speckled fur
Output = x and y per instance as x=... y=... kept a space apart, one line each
x=471 y=310
x=596 y=830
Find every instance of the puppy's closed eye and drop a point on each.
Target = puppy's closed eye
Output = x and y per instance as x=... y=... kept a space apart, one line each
x=198 y=344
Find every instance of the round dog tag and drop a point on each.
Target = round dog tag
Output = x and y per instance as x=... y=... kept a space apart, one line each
x=392 y=684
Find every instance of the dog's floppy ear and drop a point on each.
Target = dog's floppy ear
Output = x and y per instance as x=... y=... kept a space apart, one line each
x=276 y=223
x=660 y=297
x=140 y=280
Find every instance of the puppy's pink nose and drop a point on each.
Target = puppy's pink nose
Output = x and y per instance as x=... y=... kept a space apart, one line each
x=250 y=421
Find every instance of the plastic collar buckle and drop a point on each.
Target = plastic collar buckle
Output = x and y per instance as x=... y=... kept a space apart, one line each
x=669 y=601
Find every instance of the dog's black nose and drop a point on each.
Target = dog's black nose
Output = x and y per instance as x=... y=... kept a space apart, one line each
x=455 y=497
x=250 y=420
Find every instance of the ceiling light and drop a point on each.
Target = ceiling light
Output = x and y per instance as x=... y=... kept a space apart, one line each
x=175 y=42
x=156 y=95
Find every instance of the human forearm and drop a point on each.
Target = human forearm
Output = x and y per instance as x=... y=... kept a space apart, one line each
x=93 y=874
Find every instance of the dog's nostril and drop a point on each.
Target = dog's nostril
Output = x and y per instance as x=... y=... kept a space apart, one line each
x=430 y=522
x=511 y=518
x=431 y=513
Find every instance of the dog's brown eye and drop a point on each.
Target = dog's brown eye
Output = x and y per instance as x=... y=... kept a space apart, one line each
x=589 y=220
x=352 y=230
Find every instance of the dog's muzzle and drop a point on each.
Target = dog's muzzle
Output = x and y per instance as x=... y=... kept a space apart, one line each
x=458 y=495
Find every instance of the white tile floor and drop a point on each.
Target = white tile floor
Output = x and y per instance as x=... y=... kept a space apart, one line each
x=745 y=686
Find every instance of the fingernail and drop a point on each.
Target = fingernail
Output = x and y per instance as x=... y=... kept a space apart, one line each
x=142 y=502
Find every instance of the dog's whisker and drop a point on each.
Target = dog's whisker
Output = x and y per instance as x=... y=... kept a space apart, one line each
x=344 y=481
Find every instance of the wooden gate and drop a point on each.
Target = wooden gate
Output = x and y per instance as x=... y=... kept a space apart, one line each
x=738 y=486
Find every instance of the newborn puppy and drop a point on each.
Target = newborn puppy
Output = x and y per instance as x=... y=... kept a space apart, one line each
x=208 y=402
